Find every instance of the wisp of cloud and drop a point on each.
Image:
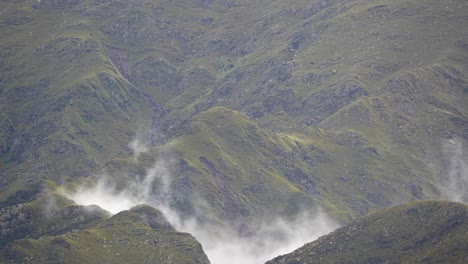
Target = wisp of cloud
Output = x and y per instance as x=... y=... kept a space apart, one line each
x=277 y=237
x=106 y=195
x=457 y=185
x=137 y=147
x=223 y=245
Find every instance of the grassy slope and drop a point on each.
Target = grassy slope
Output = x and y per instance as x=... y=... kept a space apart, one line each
x=233 y=164
x=62 y=97
x=126 y=237
x=337 y=103
x=421 y=232
x=386 y=91
x=247 y=171
x=67 y=110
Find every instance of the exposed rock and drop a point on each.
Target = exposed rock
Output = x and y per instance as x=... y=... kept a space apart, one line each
x=329 y=101
x=154 y=218
x=6 y=134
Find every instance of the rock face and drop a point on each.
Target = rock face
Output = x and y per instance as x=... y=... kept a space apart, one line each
x=6 y=137
x=423 y=232
x=11 y=217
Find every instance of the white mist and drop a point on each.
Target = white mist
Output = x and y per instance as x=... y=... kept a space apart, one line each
x=456 y=188
x=271 y=239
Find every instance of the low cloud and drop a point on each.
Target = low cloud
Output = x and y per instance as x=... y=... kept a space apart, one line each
x=106 y=194
x=456 y=187
x=50 y=207
x=223 y=245
x=138 y=147
x=271 y=239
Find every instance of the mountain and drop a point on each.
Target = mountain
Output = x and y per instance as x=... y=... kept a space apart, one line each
x=53 y=229
x=420 y=232
x=228 y=112
x=127 y=237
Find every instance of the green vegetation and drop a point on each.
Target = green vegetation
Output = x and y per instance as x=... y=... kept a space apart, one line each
x=50 y=213
x=138 y=235
x=260 y=107
x=421 y=232
x=338 y=95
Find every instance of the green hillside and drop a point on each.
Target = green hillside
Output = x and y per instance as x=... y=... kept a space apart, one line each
x=257 y=109
x=140 y=235
x=422 y=232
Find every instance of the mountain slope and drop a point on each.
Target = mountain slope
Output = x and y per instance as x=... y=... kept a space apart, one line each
x=257 y=108
x=422 y=232
x=141 y=234
x=65 y=106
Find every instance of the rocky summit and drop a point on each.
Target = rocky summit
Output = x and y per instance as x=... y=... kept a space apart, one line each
x=244 y=123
